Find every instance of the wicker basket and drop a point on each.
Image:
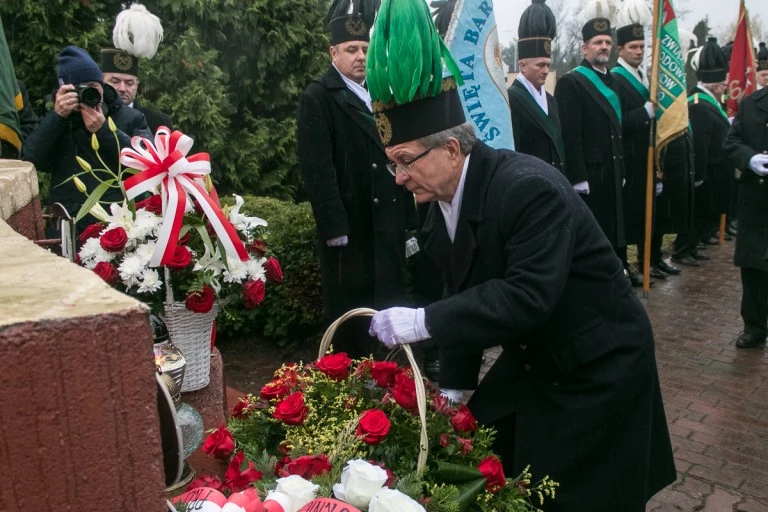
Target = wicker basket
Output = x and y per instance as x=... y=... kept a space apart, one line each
x=421 y=394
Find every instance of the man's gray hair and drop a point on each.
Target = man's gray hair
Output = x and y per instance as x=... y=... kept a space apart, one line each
x=464 y=133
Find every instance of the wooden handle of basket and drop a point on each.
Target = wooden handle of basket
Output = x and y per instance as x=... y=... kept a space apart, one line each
x=421 y=392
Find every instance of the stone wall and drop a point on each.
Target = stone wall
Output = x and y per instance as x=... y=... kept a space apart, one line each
x=19 y=201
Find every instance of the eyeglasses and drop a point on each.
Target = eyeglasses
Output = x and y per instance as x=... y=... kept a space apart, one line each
x=405 y=167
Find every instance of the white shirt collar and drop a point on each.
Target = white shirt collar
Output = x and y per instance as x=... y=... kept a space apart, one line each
x=452 y=210
x=540 y=95
x=360 y=91
x=703 y=88
x=634 y=71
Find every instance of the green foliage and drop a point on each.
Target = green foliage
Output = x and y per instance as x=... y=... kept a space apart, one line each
x=292 y=311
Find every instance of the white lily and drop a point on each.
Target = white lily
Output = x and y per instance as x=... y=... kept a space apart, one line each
x=243 y=222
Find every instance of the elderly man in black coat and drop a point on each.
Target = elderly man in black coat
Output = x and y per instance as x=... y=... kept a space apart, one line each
x=746 y=146
x=360 y=212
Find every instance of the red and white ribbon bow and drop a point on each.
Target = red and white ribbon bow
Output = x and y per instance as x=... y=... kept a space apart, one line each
x=166 y=163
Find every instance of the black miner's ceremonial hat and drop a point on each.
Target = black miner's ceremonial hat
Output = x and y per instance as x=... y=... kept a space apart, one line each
x=351 y=20
x=536 y=31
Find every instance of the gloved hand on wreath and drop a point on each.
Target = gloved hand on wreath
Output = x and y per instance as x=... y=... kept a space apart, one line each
x=399 y=326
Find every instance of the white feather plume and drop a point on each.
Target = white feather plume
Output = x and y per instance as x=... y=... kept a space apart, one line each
x=598 y=9
x=137 y=31
x=634 y=11
x=694 y=55
x=687 y=39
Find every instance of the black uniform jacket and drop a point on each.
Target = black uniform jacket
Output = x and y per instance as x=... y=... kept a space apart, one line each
x=593 y=148
x=530 y=270
x=636 y=128
x=343 y=165
x=747 y=137
x=536 y=132
x=155 y=118
x=674 y=206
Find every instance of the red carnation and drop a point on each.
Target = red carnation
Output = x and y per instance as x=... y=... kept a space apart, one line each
x=91 y=231
x=373 y=426
x=219 y=443
x=292 y=410
x=492 y=470
x=107 y=272
x=404 y=392
x=273 y=270
x=307 y=466
x=257 y=247
x=466 y=445
x=213 y=482
x=236 y=478
x=383 y=372
x=253 y=293
x=200 y=301
x=463 y=421
x=445 y=440
x=336 y=366
x=153 y=203
x=114 y=240
x=243 y=407
x=274 y=390
x=181 y=258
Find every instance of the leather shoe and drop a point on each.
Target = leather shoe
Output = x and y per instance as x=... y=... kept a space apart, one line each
x=637 y=279
x=686 y=260
x=711 y=241
x=731 y=231
x=699 y=256
x=702 y=247
x=667 y=268
x=658 y=274
x=750 y=340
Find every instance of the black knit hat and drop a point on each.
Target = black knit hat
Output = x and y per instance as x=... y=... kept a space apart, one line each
x=536 y=31
x=76 y=66
x=629 y=33
x=351 y=20
x=762 y=58
x=596 y=27
x=114 y=60
x=713 y=66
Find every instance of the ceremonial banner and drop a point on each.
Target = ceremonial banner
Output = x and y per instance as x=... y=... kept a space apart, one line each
x=668 y=87
x=10 y=97
x=473 y=40
x=742 y=73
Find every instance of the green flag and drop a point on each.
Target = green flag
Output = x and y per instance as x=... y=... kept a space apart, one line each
x=10 y=96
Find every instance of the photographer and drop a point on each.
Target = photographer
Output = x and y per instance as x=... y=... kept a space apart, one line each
x=81 y=107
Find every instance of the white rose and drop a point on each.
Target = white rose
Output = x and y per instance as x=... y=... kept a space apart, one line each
x=360 y=480
x=390 y=500
x=300 y=491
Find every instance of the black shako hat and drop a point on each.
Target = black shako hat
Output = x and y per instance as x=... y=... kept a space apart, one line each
x=536 y=31
x=114 y=60
x=762 y=58
x=629 y=33
x=351 y=20
x=713 y=66
x=596 y=27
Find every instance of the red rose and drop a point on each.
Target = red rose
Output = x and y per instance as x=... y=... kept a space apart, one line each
x=363 y=368
x=91 y=231
x=253 y=293
x=442 y=405
x=280 y=463
x=491 y=469
x=257 y=247
x=242 y=408
x=107 y=272
x=219 y=443
x=463 y=421
x=213 y=482
x=404 y=392
x=466 y=445
x=273 y=270
x=383 y=372
x=153 y=203
x=200 y=301
x=307 y=466
x=445 y=440
x=236 y=478
x=274 y=390
x=114 y=240
x=336 y=366
x=292 y=410
x=181 y=258
x=373 y=426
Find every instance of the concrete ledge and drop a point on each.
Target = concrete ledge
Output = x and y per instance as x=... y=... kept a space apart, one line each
x=18 y=186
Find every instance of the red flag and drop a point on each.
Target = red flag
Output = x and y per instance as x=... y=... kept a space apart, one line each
x=741 y=75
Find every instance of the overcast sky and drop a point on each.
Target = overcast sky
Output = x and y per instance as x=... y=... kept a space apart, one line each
x=721 y=14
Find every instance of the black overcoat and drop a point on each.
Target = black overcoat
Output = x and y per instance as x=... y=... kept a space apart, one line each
x=155 y=118
x=532 y=271
x=593 y=150
x=674 y=206
x=710 y=126
x=747 y=137
x=636 y=128
x=343 y=165
x=533 y=134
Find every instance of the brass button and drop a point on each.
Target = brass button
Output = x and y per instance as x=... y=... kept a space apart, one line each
x=374 y=166
x=761 y=181
x=523 y=347
x=375 y=200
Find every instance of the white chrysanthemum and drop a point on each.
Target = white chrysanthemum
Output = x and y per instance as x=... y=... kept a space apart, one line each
x=242 y=222
x=150 y=281
x=256 y=269
x=145 y=251
x=92 y=253
x=131 y=269
x=237 y=271
x=145 y=224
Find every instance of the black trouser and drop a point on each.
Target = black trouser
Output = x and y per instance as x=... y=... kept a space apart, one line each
x=754 y=300
x=685 y=243
x=8 y=150
x=504 y=443
x=656 y=254
x=621 y=252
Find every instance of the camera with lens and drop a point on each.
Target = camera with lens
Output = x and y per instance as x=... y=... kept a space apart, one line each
x=88 y=95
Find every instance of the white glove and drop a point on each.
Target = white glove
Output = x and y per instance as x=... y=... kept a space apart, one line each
x=659 y=188
x=623 y=182
x=651 y=109
x=698 y=183
x=758 y=164
x=339 y=241
x=582 y=188
x=399 y=326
